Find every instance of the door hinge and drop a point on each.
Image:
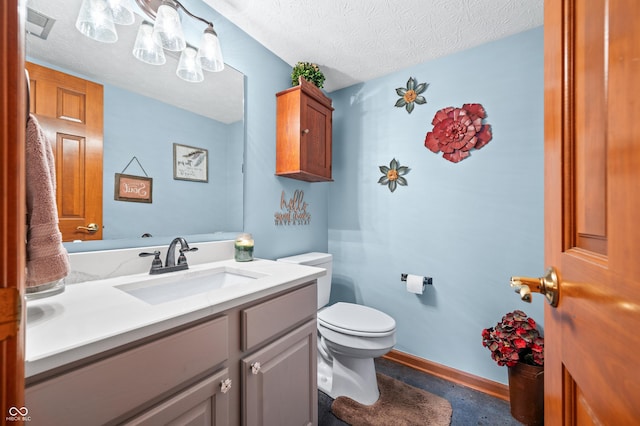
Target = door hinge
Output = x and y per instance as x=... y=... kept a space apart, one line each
x=10 y=312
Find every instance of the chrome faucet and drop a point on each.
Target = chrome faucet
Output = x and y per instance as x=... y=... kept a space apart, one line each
x=170 y=263
x=171 y=253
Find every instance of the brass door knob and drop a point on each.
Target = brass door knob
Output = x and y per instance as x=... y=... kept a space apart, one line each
x=546 y=285
x=91 y=228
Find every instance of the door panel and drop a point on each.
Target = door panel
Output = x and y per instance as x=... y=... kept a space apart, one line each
x=12 y=214
x=592 y=196
x=315 y=151
x=70 y=111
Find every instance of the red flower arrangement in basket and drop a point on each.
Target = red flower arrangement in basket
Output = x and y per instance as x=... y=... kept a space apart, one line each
x=515 y=339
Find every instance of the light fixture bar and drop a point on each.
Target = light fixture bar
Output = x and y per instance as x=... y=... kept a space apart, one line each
x=150 y=7
x=97 y=19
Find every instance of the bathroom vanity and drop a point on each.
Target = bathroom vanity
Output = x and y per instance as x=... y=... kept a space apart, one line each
x=111 y=352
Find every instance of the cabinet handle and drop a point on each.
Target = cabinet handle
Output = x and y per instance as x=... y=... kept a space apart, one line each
x=225 y=385
x=255 y=367
x=305 y=131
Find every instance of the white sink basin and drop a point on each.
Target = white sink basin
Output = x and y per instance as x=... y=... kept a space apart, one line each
x=177 y=285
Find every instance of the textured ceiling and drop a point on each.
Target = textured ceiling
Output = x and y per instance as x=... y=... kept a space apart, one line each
x=351 y=40
x=219 y=96
x=358 y=40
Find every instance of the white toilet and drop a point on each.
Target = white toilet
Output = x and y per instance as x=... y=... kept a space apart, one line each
x=349 y=337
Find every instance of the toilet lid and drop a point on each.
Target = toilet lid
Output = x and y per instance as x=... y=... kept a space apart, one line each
x=358 y=320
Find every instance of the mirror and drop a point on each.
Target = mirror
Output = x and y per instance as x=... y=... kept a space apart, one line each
x=147 y=110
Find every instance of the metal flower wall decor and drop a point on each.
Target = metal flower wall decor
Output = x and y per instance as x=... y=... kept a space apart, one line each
x=393 y=175
x=457 y=130
x=411 y=95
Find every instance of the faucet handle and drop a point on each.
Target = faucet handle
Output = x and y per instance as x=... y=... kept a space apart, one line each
x=156 y=263
x=182 y=259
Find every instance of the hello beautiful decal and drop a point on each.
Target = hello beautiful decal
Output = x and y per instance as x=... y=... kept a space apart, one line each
x=293 y=211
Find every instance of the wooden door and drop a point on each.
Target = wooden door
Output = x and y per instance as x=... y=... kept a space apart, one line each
x=12 y=213
x=592 y=208
x=69 y=110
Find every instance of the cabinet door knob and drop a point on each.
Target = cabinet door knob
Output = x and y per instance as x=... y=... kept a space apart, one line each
x=305 y=131
x=225 y=385
x=255 y=367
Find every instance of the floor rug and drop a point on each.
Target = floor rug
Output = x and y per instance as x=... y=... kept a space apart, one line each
x=399 y=404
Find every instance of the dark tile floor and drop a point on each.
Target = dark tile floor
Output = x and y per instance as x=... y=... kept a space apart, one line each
x=470 y=407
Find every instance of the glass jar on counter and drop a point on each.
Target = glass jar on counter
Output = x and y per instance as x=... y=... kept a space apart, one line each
x=244 y=248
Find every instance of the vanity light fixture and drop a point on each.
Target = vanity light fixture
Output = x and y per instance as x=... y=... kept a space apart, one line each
x=121 y=11
x=168 y=27
x=146 y=48
x=189 y=68
x=97 y=19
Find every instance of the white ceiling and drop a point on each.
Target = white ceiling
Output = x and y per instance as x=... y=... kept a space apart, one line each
x=352 y=41
x=358 y=40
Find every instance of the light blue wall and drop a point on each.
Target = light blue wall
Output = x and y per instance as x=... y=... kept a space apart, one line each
x=469 y=225
x=267 y=75
x=145 y=128
x=135 y=125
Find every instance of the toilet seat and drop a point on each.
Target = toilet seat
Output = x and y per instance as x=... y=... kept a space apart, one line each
x=356 y=320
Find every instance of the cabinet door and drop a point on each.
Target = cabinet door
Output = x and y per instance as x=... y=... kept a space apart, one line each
x=315 y=140
x=280 y=384
x=204 y=404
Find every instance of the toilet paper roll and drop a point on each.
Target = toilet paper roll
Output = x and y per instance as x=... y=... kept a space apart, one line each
x=414 y=283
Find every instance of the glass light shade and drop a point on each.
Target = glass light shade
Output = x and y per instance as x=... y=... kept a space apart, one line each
x=210 y=53
x=121 y=11
x=168 y=28
x=146 y=48
x=189 y=68
x=95 y=20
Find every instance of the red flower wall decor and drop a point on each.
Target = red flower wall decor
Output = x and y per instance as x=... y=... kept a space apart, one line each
x=457 y=130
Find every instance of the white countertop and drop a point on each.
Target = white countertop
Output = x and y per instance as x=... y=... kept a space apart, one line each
x=92 y=317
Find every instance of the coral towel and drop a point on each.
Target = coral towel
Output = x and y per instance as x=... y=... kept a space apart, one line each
x=47 y=259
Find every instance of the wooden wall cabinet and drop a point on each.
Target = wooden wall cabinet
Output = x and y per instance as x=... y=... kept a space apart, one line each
x=303 y=133
x=254 y=364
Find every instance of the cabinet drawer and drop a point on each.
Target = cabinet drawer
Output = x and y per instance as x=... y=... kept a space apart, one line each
x=117 y=385
x=263 y=321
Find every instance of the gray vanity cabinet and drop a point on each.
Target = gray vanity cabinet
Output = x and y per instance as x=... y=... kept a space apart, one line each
x=279 y=375
x=252 y=364
x=114 y=387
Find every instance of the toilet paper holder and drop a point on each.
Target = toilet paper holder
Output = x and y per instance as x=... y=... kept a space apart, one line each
x=425 y=280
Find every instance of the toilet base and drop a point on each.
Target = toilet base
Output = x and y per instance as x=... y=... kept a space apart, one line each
x=351 y=377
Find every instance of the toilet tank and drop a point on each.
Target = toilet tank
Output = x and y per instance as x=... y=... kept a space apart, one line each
x=319 y=260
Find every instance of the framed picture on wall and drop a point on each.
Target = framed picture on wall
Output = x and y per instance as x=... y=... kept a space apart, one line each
x=137 y=189
x=190 y=163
